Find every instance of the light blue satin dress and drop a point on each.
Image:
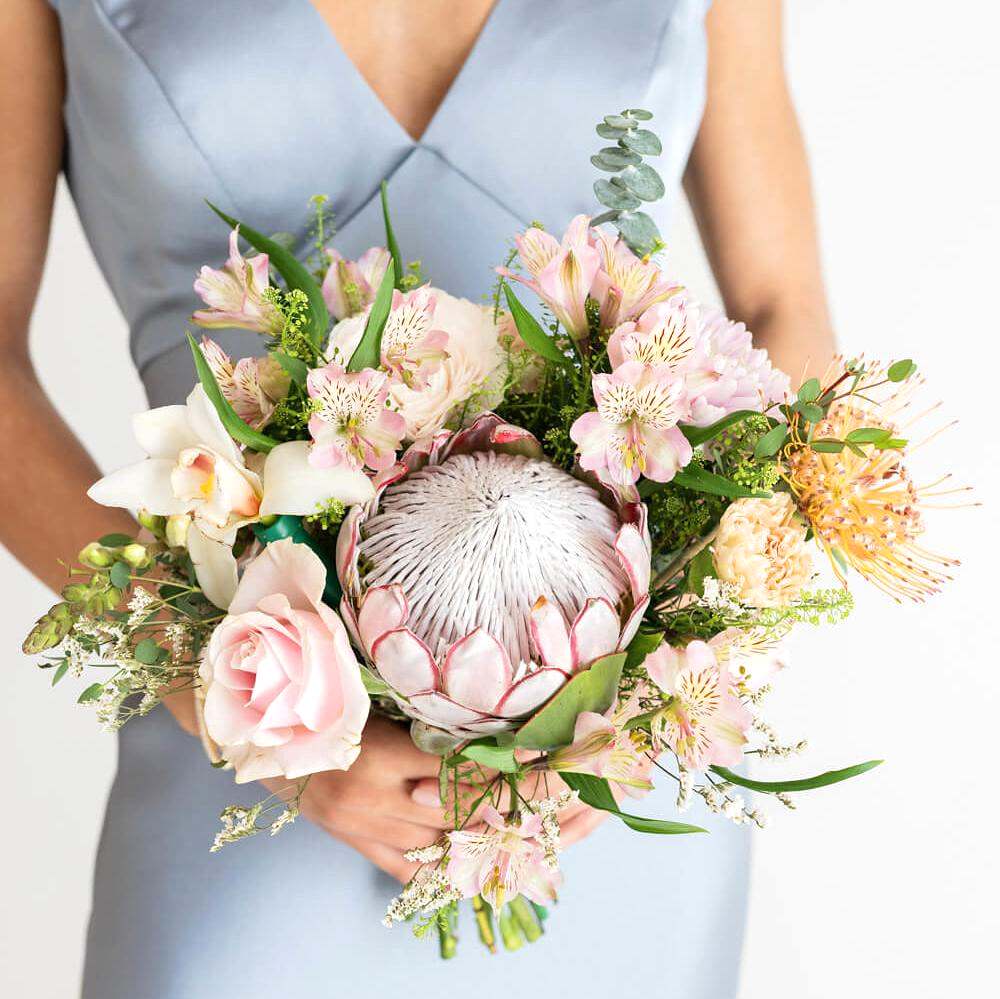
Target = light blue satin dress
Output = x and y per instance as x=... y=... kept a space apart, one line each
x=254 y=106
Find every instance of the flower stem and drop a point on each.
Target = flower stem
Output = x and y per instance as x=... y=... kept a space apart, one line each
x=484 y=923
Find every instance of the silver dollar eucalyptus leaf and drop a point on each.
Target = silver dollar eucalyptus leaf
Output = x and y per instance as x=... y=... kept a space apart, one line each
x=644 y=182
x=613 y=195
x=642 y=140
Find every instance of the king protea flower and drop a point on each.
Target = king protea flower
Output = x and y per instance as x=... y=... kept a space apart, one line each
x=482 y=577
x=865 y=509
x=235 y=294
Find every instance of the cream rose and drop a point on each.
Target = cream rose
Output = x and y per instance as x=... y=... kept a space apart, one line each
x=760 y=549
x=283 y=689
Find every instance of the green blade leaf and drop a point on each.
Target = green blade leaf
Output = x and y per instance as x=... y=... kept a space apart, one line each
x=594 y=689
x=60 y=672
x=235 y=427
x=531 y=331
x=297 y=369
x=868 y=435
x=827 y=445
x=390 y=238
x=295 y=273
x=698 y=435
x=489 y=754
x=91 y=693
x=120 y=540
x=803 y=784
x=368 y=353
x=374 y=685
x=641 y=646
x=596 y=792
x=703 y=481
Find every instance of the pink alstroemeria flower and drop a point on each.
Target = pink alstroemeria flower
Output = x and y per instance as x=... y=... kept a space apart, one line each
x=626 y=285
x=350 y=285
x=634 y=430
x=562 y=273
x=252 y=386
x=663 y=335
x=235 y=294
x=502 y=861
x=704 y=723
x=413 y=348
x=352 y=424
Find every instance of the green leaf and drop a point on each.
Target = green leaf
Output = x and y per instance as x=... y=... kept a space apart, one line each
x=489 y=754
x=640 y=114
x=91 y=693
x=374 y=685
x=772 y=442
x=698 y=435
x=868 y=435
x=613 y=196
x=703 y=481
x=639 y=231
x=644 y=182
x=809 y=411
x=802 y=784
x=605 y=164
x=115 y=540
x=620 y=157
x=368 y=353
x=620 y=121
x=606 y=131
x=643 y=141
x=297 y=369
x=698 y=570
x=235 y=427
x=120 y=575
x=594 y=689
x=60 y=672
x=596 y=792
x=531 y=331
x=809 y=392
x=147 y=652
x=901 y=370
x=826 y=445
x=296 y=275
x=641 y=646
x=390 y=238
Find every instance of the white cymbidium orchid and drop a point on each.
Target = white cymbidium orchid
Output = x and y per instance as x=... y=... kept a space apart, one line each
x=195 y=468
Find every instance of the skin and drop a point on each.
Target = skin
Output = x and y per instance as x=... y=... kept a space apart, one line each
x=759 y=235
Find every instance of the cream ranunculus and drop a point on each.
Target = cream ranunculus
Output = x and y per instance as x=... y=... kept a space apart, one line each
x=761 y=549
x=475 y=365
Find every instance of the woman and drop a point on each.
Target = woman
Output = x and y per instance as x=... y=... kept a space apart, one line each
x=480 y=115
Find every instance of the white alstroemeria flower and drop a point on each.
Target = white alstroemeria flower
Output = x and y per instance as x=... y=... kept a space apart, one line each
x=195 y=468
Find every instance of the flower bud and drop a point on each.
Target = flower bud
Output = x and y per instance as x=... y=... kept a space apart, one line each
x=49 y=630
x=177 y=529
x=153 y=523
x=76 y=592
x=96 y=556
x=136 y=555
x=112 y=597
x=94 y=605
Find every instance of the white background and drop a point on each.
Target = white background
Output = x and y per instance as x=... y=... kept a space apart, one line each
x=883 y=887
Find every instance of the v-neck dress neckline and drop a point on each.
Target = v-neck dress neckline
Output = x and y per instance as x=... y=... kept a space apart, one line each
x=370 y=101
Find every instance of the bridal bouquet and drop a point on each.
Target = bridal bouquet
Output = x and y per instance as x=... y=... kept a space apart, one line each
x=560 y=540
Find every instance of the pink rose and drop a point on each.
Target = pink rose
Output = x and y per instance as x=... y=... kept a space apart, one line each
x=284 y=694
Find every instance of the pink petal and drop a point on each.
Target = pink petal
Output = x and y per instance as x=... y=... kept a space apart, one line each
x=404 y=662
x=477 y=671
x=595 y=632
x=632 y=624
x=550 y=635
x=383 y=609
x=531 y=692
x=634 y=557
x=441 y=711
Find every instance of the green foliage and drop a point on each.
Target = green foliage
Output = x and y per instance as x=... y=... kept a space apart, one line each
x=594 y=689
x=368 y=353
x=531 y=332
x=678 y=516
x=802 y=784
x=390 y=239
x=486 y=752
x=596 y=792
x=633 y=181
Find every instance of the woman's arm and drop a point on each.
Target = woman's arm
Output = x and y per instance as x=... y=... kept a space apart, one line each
x=748 y=182
x=46 y=473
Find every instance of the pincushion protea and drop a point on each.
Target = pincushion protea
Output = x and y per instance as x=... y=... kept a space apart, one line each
x=864 y=508
x=481 y=577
